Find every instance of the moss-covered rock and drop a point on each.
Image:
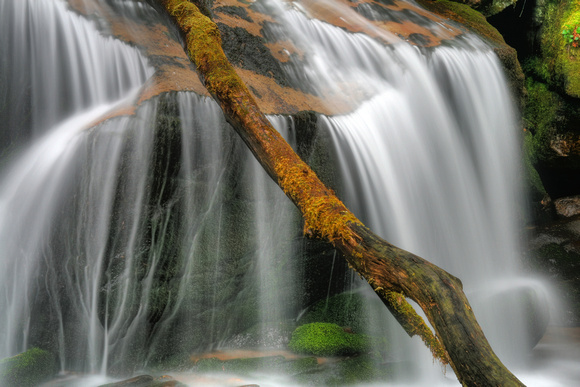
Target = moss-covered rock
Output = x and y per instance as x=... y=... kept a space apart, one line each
x=327 y=339
x=559 y=61
x=28 y=368
x=553 y=142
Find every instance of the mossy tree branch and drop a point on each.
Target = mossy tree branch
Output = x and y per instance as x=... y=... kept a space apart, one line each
x=392 y=272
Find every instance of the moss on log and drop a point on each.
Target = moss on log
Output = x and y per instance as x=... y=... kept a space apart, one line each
x=392 y=272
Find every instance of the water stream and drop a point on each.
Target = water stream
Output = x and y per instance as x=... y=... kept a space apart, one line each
x=158 y=233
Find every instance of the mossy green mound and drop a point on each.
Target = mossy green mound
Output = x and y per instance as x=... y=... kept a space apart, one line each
x=327 y=339
x=29 y=368
x=559 y=62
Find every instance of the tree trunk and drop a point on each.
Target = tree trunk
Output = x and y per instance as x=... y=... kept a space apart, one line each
x=392 y=272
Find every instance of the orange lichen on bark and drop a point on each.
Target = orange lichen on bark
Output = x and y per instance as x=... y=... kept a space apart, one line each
x=324 y=214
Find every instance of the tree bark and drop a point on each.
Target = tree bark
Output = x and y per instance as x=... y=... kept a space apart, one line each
x=393 y=273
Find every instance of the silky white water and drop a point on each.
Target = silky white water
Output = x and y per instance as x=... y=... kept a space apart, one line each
x=158 y=233
x=430 y=161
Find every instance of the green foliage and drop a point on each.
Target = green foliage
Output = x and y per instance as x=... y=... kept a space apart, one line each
x=326 y=339
x=571 y=25
x=571 y=35
x=29 y=368
x=560 y=37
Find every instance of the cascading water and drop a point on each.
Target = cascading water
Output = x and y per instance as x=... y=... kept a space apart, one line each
x=134 y=279
x=58 y=65
x=158 y=234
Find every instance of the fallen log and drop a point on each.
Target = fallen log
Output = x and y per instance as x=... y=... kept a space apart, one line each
x=393 y=273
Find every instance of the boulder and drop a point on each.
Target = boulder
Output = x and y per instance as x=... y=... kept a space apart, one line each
x=29 y=368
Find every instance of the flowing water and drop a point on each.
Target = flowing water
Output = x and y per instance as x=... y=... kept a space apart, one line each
x=156 y=234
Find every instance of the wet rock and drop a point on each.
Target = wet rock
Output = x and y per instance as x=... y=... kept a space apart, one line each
x=28 y=368
x=568 y=207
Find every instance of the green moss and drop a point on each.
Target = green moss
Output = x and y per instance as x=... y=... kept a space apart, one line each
x=560 y=61
x=326 y=339
x=29 y=368
x=548 y=116
x=569 y=58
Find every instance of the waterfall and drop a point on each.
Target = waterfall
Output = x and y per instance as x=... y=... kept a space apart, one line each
x=145 y=237
x=52 y=53
x=430 y=161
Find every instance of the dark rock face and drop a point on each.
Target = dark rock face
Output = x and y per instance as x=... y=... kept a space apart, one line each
x=249 y=52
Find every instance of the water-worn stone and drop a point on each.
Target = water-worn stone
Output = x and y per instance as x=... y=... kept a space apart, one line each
x=568 y=207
